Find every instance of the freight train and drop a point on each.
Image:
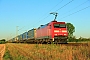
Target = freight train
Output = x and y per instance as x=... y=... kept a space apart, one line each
x=51 y=32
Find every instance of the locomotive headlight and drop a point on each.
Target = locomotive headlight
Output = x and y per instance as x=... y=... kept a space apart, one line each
x=56 y=30
x=65 y=34
x=64 y=30
x=55 y=34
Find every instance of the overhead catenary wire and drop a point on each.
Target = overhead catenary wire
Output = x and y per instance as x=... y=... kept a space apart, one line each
x=53 y=7
x=41 y=20
x=43 y=15
x=75 y=7
x=46 y=13
x=21 y=28
x=75 y=12
x=57 y=9
x=64 y=5
x=49 y=11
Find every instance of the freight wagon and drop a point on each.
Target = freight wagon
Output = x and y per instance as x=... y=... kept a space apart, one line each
x=31 y=35
x=25 y=36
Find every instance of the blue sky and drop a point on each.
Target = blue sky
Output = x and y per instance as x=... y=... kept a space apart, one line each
x=28 y=14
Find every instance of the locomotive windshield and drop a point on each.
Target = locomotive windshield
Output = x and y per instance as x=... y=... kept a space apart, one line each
x=59 y=25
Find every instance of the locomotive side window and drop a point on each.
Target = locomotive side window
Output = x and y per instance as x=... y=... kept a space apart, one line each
x=59 y=25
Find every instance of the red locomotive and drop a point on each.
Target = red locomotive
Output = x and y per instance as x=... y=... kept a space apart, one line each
x=53 y=31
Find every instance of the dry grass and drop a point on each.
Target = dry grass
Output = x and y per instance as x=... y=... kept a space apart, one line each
x=1 y=46
x=47 y=52
x=2 y=50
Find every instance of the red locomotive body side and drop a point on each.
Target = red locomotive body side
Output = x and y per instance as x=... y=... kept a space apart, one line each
x=42 y=33
x=54 y=31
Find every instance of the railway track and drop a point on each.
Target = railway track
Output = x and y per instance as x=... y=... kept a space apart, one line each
x=75 y=44
x=68 y=43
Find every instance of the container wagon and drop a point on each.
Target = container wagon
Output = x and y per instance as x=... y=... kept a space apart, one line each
x=25 y=36
x=32 y=35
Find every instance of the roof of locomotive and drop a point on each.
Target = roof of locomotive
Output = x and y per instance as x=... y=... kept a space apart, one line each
x=42 y=26
x=56 y=22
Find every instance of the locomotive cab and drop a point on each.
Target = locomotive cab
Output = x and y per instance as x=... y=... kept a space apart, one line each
x=59 y=32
